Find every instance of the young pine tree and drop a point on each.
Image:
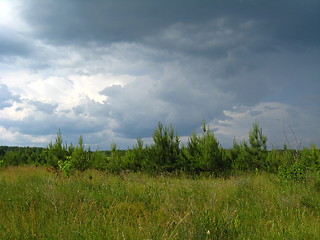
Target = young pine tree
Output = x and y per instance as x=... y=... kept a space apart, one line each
x=56 y=152
x=79 y=157
x=204 y=153
x=250 y=156
x=258 y=146
x=165 y=153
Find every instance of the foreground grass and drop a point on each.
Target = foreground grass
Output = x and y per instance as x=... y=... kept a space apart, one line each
x=36 y=204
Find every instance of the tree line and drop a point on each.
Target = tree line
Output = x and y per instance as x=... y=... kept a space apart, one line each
x=202 y=155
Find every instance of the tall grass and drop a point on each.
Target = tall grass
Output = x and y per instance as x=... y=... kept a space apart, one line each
x=36 y=204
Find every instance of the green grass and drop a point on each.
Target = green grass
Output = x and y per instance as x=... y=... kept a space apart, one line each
x=36 y=204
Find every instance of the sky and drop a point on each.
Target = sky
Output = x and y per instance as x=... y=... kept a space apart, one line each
x=110 y=70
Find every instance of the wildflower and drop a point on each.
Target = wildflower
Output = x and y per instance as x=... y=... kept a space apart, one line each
x=208 y=232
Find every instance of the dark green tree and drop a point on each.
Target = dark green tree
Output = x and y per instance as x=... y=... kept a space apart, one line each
x=164 y=154
x=136 y=158
x=258 y=146
x=246 y=157
x=116 y=161
x=56 y=151
x=80 y=157
x=12 y=158
x=204 y=153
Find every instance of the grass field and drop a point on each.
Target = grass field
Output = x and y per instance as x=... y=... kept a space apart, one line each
x=36 y=204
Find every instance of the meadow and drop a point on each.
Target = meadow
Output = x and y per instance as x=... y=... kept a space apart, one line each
x=37 y=204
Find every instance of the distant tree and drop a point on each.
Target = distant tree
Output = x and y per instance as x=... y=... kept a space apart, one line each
x=12 y=158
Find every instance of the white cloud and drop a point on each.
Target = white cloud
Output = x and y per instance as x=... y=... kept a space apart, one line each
x=92 y=85
x=16 y=112
x=282 y=123
x=9 y=15
x=14 y=138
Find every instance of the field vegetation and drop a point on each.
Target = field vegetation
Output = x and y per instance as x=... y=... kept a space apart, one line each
x=202 y=155
x=161 y=191
x=36 y=204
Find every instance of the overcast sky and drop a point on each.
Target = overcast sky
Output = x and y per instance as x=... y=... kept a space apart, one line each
x=111 y=69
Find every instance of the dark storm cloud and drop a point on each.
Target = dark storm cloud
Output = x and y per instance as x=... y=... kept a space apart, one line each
x=183 y=98
x=118 y=67
x=14 y=44
x=44 y=107
x=108 y=20
x=284 y=23
x=92 y=108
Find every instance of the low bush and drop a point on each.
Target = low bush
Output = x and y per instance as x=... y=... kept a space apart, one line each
x=204 y=154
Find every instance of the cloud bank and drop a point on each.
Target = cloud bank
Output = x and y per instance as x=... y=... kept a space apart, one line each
x=110 y=70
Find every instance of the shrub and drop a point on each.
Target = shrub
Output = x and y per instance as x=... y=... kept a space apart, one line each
x=273 y=161
x=12 y=158
x=204 y=153
x=294 y=172
x=80 y=157
x=241 y=158
x=310 y=158
x=56 y=151
x=136 y=158
x=258 y=146
x=66 y=167
x=115 y=163
x=165 y=152
x=2 y=163
x=251 y=157
x=297 y=164
x=99 y=160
